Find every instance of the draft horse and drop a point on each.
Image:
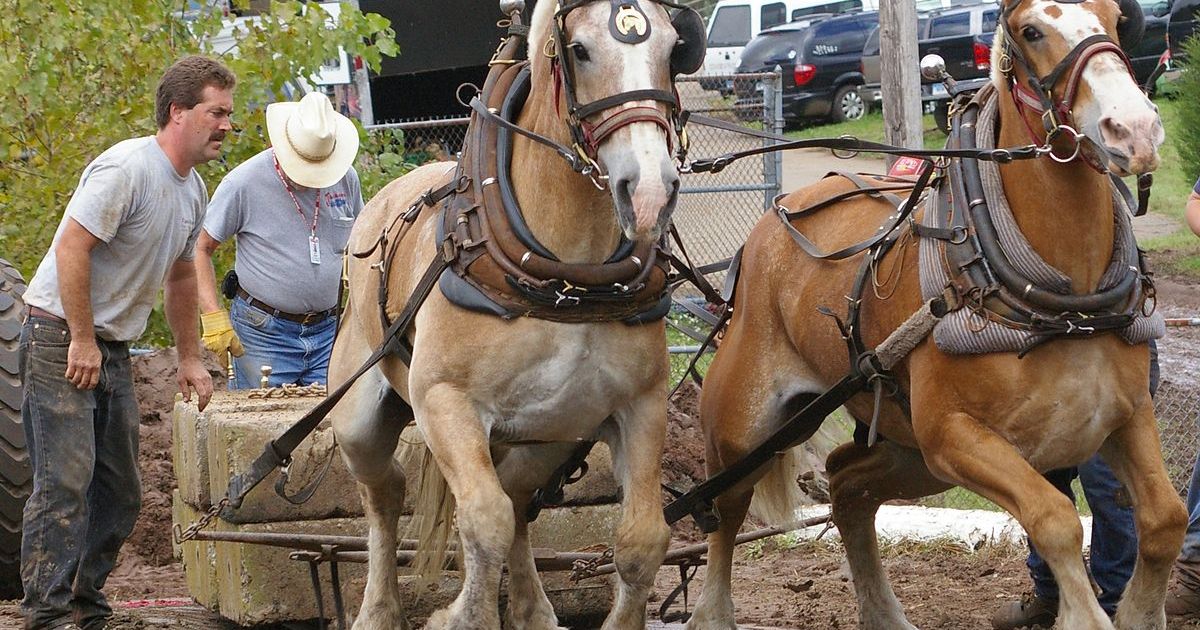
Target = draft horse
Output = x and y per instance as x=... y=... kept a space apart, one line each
x=1066 y=371
x=545 y=329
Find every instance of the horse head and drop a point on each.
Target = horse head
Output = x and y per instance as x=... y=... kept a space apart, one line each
x=612 y=65
x=1063 y=56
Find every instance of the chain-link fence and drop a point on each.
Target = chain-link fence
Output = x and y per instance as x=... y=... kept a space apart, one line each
x=1177 y=407
x=715 y=211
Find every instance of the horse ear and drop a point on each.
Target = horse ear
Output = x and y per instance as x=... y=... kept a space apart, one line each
x=688 y=54
x=1131 y=25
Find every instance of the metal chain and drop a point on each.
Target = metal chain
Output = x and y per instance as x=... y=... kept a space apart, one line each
x=206 y=519
x=584 y=569
x=316 y=390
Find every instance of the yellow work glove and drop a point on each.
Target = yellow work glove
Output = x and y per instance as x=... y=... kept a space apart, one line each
x=218 y=336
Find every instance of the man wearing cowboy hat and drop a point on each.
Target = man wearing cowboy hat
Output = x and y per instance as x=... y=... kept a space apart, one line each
x=290 y=209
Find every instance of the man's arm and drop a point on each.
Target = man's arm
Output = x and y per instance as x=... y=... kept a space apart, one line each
x=179 y=302
x=1192 y=213
x=206 y=276
x=73 y=257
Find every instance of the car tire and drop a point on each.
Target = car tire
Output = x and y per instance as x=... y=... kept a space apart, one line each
x=848 y=104
x=941 y=116
x=16 y=475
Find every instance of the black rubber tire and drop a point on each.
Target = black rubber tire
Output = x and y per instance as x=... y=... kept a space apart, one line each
x=16 y=475
x=847 y=104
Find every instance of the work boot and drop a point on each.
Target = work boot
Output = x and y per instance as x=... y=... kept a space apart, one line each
x=1182 y=601
x=1028 y=612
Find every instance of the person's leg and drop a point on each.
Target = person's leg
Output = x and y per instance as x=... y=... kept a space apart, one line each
x=318 y=344
x=58 y=421
x=115 y=495
x=1114 y=537
x=1188 y=565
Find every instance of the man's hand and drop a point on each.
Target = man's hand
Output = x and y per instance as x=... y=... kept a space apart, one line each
x=219 y=337
x=192 y=375
x=83 y=363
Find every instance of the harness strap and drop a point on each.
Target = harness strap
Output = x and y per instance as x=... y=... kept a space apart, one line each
x=845 y=144
x=278 y=452
x=578 y=165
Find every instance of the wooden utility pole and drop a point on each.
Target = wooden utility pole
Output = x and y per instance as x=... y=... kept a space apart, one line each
x=901 y=73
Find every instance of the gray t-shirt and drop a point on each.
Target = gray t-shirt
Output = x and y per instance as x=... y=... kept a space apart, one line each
x=147 y=217
x=273 y=259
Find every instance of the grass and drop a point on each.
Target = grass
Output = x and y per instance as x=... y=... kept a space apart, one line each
x=869 y=127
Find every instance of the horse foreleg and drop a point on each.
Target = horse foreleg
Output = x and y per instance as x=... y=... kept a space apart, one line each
x=528 y=606
x=484 y=513
x=714 y=610
x=368 y=427
x=1134 y=453
x=959 y=448
x=860 y=480
x=642 y=534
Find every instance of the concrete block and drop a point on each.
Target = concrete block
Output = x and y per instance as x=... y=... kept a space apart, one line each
x=190 y=453
x=574 y=528
x=238 y=428
x=199 y=558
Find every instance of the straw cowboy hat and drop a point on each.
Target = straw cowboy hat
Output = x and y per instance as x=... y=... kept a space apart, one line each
x=315 y=145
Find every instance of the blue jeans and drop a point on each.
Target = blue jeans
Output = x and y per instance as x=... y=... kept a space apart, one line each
x=1114 y=538
x=86 y=492
x=297 y=353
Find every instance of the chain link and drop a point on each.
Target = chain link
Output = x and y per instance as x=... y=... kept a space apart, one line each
x=316 y=390
x=584 y=569
x=206 y=519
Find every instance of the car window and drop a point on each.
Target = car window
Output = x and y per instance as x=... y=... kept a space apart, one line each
x=838 y=37
x=730 y=26
x=989 y=20
x=1184 y=10
x=772 y=14
x=871 y=48
x=840 y=6
x=950 y=25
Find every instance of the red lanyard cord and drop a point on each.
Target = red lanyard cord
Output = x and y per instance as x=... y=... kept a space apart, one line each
x=288 y=187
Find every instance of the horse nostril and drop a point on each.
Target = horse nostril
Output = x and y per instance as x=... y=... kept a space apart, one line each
x=1113 y=130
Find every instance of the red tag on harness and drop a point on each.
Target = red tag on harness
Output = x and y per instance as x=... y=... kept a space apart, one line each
x=907 y=166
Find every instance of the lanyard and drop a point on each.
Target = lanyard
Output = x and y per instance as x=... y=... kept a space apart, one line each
x=312 y=230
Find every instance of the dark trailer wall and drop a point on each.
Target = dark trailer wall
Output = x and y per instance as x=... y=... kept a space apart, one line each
x=443 y=44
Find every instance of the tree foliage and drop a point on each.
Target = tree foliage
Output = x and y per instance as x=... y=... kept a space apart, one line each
x=81 y=77
x=1187 y=137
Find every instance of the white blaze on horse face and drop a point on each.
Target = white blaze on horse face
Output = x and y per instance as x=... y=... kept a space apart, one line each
x=642 y=177
x=1110 y=107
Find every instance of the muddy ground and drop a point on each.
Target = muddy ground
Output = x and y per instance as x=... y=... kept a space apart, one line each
x=941 y=587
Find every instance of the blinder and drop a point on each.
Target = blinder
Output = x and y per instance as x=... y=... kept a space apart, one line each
x=1132 y=24
x=688 y=55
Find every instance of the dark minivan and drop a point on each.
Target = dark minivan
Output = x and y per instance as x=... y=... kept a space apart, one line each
x=820 y=59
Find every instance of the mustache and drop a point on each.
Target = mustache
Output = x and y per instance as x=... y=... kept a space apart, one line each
x=217 y=137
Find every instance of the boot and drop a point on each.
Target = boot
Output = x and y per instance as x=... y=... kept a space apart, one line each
x=1182 y=601
x=1028 y=612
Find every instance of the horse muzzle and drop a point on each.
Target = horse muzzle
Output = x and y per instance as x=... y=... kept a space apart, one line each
x=1131 y=142
x=644 y=199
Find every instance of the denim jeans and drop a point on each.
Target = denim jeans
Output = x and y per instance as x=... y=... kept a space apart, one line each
x=1114 y=538
x=297 y=353
x=86 y=492
x=1188 y=563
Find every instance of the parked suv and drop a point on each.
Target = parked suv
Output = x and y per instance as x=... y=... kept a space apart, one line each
x=820 y=63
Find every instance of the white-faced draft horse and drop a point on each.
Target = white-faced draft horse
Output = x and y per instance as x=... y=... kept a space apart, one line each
x=546 y=328
x=1040 y=312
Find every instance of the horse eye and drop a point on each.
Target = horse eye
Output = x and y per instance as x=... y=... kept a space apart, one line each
x=581 y=53
x=1031 y=34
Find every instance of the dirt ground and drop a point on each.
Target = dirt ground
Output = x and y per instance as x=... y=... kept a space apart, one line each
x=801 y=587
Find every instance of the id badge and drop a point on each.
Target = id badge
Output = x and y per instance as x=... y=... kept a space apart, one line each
x=314 y=250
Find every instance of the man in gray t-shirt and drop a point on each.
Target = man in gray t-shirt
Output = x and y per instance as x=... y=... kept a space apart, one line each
x=129 y=229
x=289 y=209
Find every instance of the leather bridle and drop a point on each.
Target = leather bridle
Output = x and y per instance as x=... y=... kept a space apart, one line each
x=1039 y=96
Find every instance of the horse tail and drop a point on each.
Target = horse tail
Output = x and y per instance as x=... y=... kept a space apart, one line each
x=780 y=493
x=432 y=524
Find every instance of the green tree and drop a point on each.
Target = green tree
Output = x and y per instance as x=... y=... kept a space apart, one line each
x=81 y=77
x=1187 y=138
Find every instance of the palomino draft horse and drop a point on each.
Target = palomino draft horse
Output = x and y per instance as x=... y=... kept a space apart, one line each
x=540 y=336
x=990 y=419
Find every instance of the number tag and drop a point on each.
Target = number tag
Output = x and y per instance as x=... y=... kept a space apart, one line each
x=314 y=250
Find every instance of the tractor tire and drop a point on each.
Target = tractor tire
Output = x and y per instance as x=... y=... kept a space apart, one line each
x=16 y=475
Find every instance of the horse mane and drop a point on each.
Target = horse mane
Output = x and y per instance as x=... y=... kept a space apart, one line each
x=539 y=31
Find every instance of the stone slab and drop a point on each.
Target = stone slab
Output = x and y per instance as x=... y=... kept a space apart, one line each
x=574 y=528
x=598 y=485
x=199 y=558
x=239 y=428
x=189 y=446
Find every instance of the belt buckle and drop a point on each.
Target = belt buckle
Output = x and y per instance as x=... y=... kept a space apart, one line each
x=313 y=317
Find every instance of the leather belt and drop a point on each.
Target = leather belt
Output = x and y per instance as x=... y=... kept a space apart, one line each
x=44 y=314
x=299 y=318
